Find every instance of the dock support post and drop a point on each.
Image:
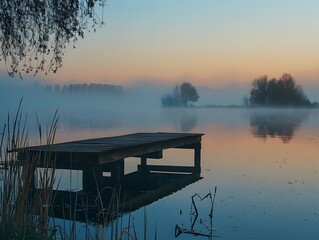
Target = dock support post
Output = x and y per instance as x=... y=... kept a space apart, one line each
x=197 y=156
x=31 y=171
x=143 y=164
x=117 y=172
x=92 y=179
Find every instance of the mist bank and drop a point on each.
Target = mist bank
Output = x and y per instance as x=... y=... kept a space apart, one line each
x=138 y=108
x=41 y=96
x=46 y=97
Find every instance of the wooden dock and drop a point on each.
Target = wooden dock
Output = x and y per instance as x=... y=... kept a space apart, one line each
x=108 y=154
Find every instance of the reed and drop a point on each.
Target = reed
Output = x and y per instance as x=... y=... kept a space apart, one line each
x=24 y=212
x=26 y=192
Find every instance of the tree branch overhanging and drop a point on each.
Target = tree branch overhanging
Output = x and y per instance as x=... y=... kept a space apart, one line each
x=34 y=34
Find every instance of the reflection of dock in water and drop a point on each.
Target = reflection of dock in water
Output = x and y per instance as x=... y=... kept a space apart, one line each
x=148 y=188
x=136 y=190
x=95 y=157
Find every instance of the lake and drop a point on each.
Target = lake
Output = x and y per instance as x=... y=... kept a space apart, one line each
x=264 y=163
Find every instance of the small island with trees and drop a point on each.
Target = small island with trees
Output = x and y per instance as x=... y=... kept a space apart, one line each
x=181 y=96
x=265 y=92
x=282 y=92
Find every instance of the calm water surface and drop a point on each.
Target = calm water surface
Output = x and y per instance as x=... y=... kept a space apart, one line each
x=264 y=163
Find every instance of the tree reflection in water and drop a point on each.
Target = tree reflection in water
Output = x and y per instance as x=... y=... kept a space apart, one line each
x=280 y=124
x=188 y=123
x=34 y=34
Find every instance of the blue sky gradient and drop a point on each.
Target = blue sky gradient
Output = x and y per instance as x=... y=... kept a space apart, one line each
x=211 y=43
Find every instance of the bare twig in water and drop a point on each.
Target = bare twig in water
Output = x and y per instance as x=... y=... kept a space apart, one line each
x=179 y=230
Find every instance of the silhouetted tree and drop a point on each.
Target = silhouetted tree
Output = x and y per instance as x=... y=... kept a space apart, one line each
x=173 y=99
x=181 y=95
x=168 y=101
x=258 y=93
x=274 y=91
x=92 y=88
x=282 y=92
x=188 y=93
x=34 y=33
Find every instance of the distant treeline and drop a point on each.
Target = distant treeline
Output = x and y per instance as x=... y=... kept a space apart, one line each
x=84 y=88
x=282 y=92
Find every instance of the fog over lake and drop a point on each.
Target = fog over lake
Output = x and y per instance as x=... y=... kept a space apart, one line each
x=198 y=119
x=264 y=162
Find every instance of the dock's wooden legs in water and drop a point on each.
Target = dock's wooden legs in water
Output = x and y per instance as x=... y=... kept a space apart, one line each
x=197 y=156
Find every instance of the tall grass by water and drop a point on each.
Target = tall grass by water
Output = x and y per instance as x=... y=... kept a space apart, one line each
x=24 y=212
x=27 y=196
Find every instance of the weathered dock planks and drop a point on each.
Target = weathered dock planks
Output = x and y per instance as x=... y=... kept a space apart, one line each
x=99 y=155
x=108 y=154
x=105 y=150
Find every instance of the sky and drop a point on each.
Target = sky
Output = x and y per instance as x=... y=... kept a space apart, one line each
x=212 y=43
